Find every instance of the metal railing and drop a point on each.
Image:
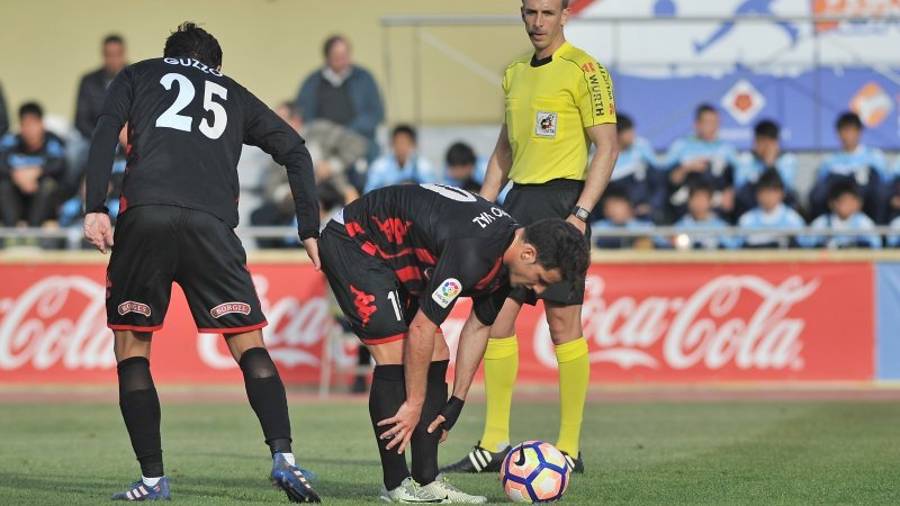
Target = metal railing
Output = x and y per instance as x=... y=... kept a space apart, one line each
x=290 y=233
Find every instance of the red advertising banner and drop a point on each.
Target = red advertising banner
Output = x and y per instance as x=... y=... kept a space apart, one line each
x=53 y=327
x=644 y=322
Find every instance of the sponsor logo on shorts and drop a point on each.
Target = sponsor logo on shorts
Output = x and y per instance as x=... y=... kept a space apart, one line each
x=447 y=292
x=545 y=124
x=230 y=308
x=130 y=306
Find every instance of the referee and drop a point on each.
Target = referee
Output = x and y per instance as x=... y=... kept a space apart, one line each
x=559 y=100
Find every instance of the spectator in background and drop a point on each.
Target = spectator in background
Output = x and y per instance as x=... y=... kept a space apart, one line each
x=635 y=172
x=771 y=212
x=464 y=170
x=855 y=162
x=618 y=214
x=893 y=241
x=335 y=151
x=31 y=165
x=4 y=116
x=71 y=211
x=701 y=215
x=893 y=205
x=765 y=155
x=402 y=165
x=702 y=156
x=845 y=202
x=343 y=93
x=92 y=89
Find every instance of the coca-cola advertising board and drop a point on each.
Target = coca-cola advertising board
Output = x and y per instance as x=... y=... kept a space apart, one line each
x=644 y=322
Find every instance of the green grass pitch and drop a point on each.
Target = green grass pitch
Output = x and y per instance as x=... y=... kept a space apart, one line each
x=716 y=453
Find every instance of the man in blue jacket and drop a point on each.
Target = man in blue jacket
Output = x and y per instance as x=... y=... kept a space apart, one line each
x=343 y=92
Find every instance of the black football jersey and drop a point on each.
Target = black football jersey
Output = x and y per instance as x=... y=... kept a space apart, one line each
x=442 y=242
x=187 y=123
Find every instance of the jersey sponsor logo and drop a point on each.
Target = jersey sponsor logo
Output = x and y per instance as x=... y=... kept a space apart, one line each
x=130 y=306
x=486 y=218
x=394 y=229
x=191 y=62
x=545 y=124
x=597 y=94
x=445 y=294
x=230 y=308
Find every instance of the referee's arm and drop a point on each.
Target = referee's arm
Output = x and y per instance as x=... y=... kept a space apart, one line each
x=497 y=174
x=606 y=141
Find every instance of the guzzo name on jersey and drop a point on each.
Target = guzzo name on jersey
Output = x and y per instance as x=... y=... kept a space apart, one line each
x=190 y=62
x=486 y=218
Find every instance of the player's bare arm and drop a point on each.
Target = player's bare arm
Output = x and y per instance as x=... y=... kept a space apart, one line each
x=606 y=142
x=417 y=353
x=497 y=174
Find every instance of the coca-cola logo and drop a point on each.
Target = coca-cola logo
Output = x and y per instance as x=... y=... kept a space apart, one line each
x=294 y=334
x=703 y=329
x=59 y=319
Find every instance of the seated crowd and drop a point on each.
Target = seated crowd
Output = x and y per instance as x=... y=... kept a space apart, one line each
x=702 y=185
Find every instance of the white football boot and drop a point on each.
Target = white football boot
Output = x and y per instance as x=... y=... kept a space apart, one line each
x=444 y=490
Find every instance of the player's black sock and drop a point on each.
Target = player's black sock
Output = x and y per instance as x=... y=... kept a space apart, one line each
x=267 y=398
x=425 y=445
x=385 y=398
x=139 y=403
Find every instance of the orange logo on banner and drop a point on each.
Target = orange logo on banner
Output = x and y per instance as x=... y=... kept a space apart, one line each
x=860 y=8
x=873 y=104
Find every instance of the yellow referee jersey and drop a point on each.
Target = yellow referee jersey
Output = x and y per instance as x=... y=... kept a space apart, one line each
x=549 y=103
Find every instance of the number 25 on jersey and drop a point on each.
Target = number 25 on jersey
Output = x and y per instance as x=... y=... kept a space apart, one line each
x=172 y=117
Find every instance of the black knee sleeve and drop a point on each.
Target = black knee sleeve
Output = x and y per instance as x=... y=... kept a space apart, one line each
x=265 y=390
x=139 y=404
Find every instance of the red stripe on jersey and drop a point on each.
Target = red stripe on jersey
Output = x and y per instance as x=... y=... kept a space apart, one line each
x=485 y=281
x=382 y=340
x=123 y=203
x=232 y=330
x=425 y=256
x=134 y=328
x=354 y=229
x=411 y=273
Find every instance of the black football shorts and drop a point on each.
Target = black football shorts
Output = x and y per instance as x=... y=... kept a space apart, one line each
x=528 y=203
x=158 y=244
x=367 y=290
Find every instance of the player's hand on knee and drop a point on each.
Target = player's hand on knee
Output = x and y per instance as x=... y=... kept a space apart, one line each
x=98 y=231
x=404 y=422
x=312 y=250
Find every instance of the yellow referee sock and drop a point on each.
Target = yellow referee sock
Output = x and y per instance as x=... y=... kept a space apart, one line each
x=501 y=365
x=574 y=375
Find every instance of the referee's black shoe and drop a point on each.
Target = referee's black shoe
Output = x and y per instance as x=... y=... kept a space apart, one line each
x=478 y=460
x=576 y=465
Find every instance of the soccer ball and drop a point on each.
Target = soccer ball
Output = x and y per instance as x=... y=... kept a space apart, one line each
x=534 y=472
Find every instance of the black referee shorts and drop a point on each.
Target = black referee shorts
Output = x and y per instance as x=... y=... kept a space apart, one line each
x=156 y=245
x=528 y=203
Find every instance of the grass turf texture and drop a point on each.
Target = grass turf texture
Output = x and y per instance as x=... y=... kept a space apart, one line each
x=778 y=452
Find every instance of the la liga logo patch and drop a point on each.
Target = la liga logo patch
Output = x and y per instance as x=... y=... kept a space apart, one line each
x=445 y=294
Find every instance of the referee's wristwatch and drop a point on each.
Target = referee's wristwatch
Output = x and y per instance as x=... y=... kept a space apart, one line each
x=581 y=213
